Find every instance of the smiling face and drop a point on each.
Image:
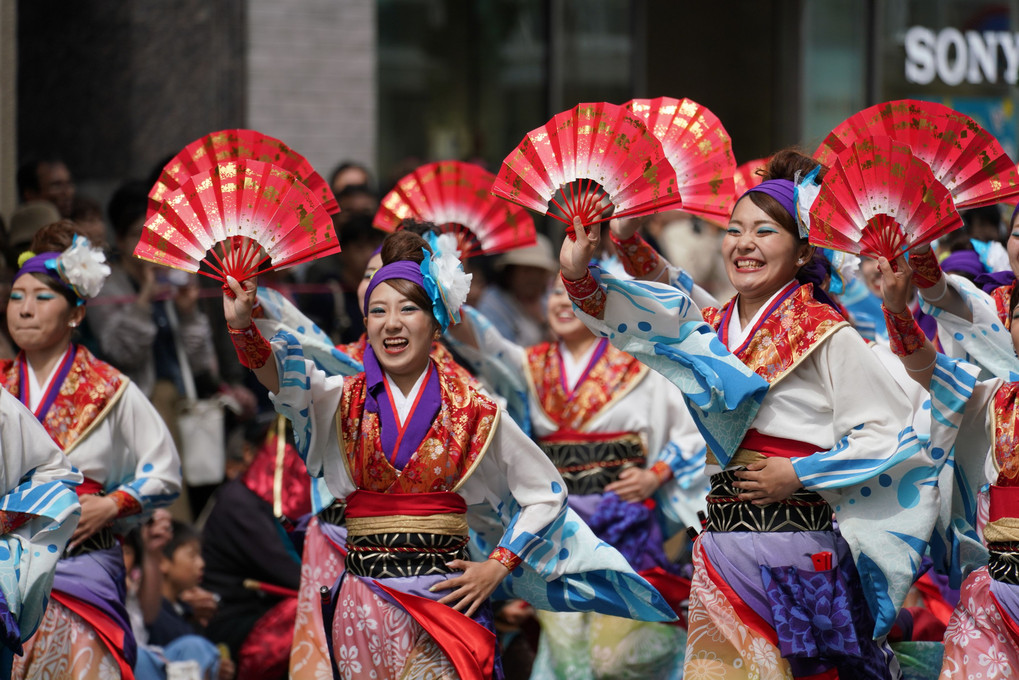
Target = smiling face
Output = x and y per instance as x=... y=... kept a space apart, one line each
x=38 y=317
x=400 y=332
x=760 y=255
x=561 y=318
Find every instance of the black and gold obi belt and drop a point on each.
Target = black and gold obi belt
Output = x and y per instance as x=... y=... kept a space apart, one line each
x=1002 y=534
x=590 y=461
x=413 y=534
x=803 y=511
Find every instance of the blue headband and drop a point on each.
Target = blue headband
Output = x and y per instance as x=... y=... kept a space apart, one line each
x=782 y=190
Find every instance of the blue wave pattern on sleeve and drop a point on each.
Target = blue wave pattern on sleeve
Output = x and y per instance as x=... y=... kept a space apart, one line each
x=293 y=373
x=567 y=568
x=29 y=555
x=661 y=326
x=956 y=547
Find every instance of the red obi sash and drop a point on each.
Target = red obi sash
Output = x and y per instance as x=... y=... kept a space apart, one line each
x=1001 y=296
x=91 y=388
x=609 y=377
x=89 y=487
x=363 y=503
x=777 y=447
x=794 y=326
x=1005 y=441
x=1004 y=502
x=445 y=458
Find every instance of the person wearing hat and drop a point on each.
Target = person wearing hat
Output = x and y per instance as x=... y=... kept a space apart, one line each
x=28 y=219
x=514 y=302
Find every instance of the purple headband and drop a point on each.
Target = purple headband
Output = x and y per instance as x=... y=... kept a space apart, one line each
x=782 y=190
x=401 y=269
x=44 y=263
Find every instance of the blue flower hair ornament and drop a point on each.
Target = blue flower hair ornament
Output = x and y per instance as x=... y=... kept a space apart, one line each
x=445 y=281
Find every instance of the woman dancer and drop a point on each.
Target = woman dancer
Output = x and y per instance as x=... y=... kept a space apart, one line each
x=982 y=639
x=324 y=543
x=619 y=435
x=776 y=593
x=109 y=431
x=417 y=455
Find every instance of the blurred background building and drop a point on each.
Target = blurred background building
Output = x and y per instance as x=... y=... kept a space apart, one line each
x=116 y=86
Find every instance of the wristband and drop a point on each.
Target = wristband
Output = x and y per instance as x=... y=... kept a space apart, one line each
x=126 y=503
x=587 y=294
x=582 y=288
x=505 y=558
x=904 y=334
x=10 y=520
x=662 y=471
x=638 y=257
x=926 y=269
x=252 y=349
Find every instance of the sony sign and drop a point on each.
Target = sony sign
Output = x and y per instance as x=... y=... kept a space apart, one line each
x=954 y=56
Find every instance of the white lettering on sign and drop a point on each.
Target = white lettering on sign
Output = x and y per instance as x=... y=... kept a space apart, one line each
x=955 y=57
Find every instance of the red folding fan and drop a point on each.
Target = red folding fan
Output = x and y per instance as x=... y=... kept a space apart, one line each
x=252 y=212
x=879 y=200
x=962 y=155
x=597 y=157
x=226 y=145
x=699 y=149
x=457 y=197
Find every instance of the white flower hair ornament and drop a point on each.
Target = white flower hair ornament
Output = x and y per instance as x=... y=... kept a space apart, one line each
x=843 y=268
x=805 y=193
x=82 y=267
x=444 y=278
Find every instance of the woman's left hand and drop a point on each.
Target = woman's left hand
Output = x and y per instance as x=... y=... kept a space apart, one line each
x=634 y=485
x=479 y=580
x=96 y=512
x=768 y=481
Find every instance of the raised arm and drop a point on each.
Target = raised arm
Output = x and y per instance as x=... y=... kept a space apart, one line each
x=908 y=342
x=252 y=349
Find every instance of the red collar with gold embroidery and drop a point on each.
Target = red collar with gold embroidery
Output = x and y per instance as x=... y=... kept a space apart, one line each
x=1002 y=295
x=1005 y=436
x=785 y=336
x=609 y=377
x=89 y=391
x=449 y=453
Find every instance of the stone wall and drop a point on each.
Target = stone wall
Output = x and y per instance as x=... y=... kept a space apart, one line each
x=311 y=77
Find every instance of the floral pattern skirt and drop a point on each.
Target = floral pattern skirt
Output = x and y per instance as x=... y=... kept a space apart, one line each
x=373 y=639
x=65 y=647
x=321 y=565
x=982 y=640
x=803 y=623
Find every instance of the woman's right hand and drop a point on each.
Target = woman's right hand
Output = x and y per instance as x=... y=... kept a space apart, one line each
x=896 y=284
x=237 y=309
x=576 y=253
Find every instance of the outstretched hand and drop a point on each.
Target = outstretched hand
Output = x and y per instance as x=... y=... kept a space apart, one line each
x=237 y=308
x=577 y=252
x=896 y=287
